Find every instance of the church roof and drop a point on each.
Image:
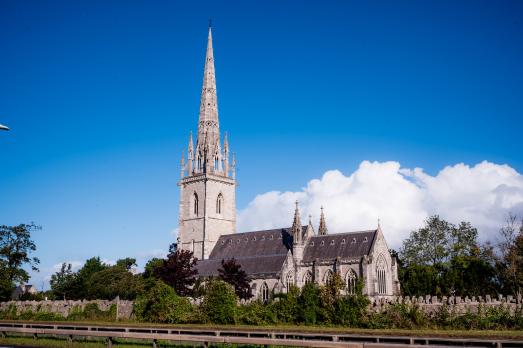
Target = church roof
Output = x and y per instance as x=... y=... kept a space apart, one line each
x=262 y=253
x=258 y=252
x=349 y=245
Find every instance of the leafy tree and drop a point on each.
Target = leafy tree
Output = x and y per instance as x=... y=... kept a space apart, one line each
x=219 y=302
x=510 y=260
x=115 y=281
x=16 y=246
x=309 y=304
x=63 y=283
x=178 y=270
x=330 y=294
x=443 y=259
x=232 y=273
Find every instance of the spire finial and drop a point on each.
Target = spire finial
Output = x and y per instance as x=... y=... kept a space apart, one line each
x=210 y=22
x=379 y=223
x=310 y=219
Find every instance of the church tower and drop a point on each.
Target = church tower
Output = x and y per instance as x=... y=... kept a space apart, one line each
x=207 y=184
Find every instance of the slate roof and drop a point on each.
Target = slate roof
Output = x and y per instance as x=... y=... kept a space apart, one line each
x=352 y=245
x=262 y=253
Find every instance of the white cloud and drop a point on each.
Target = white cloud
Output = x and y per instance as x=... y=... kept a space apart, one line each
x=402 y=198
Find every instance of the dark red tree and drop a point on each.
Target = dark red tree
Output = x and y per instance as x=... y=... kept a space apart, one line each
x=178 y=270
x=232 y=273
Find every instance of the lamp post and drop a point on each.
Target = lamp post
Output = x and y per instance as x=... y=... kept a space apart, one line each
x=2 y=127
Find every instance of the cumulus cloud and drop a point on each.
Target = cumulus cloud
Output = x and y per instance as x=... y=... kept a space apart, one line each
x=401 y=198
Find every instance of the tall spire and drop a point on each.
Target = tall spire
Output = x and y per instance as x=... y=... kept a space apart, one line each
x=322 y=229
x=296 y=228
x=208 y=125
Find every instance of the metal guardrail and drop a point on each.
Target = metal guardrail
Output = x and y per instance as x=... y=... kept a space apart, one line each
x=261 y=337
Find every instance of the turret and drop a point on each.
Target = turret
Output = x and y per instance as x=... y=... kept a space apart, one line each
x=309 y=232
x=225 y=155
x=322 y=229
x=190 y=157
x=296 y=229
x=182 y=167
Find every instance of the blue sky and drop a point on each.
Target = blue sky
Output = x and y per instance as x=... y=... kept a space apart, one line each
x=101 y=96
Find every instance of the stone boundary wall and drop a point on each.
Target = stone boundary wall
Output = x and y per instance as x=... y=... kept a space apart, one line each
x=124 y=308
x=457 y=304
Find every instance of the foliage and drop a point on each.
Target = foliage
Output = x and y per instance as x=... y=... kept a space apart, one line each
x=219 y=303
x=509 y=265
x=161 y=304
x=231 y=272
x=16 y=247
x=309 y=302
x=329 y=295
x=63 y=282
x=443 y=259
x=178 y=270
x=352 y=309
x=97 y=280
x=116 y=281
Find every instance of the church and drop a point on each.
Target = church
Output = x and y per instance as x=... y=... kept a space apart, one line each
x=273 y=259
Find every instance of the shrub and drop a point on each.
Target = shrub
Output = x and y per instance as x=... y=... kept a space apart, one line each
x=161 y=304
x=219 y=303
x=309 y=303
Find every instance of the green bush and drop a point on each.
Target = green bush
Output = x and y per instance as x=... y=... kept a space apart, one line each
x=309 y=304
x=161 y=304
x=219 y=303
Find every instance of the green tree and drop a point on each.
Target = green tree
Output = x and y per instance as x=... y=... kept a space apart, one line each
x=510 y=260
x=63 y=283
x=116 y=280
x=219 y=302
x=16 y=247
x=329 y=295
x=309 y=304
x=231 y=272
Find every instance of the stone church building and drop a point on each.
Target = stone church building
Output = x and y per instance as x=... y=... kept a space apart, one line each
x=274 y=259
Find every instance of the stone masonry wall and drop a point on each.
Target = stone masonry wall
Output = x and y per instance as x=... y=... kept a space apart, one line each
x=460 y=305
x=125 y=308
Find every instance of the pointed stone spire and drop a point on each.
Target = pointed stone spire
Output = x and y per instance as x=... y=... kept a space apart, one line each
x=208 y=124
x=322 y=229
x=309 y=232
x=296 y=228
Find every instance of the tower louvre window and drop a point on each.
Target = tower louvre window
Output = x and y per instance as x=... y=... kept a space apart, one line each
x=219 y=203
x=195 y=207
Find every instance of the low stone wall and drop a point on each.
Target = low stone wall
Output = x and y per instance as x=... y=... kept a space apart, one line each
x=460 y=305
x=124 y=308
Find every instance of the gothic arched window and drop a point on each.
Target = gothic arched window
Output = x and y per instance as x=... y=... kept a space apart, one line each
x=265 y=293
x=195 y=204
x=327 y=278
x=290 y=281
x=381 y=275
x=219 y=204
x=307 y=278
x=351 y=282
